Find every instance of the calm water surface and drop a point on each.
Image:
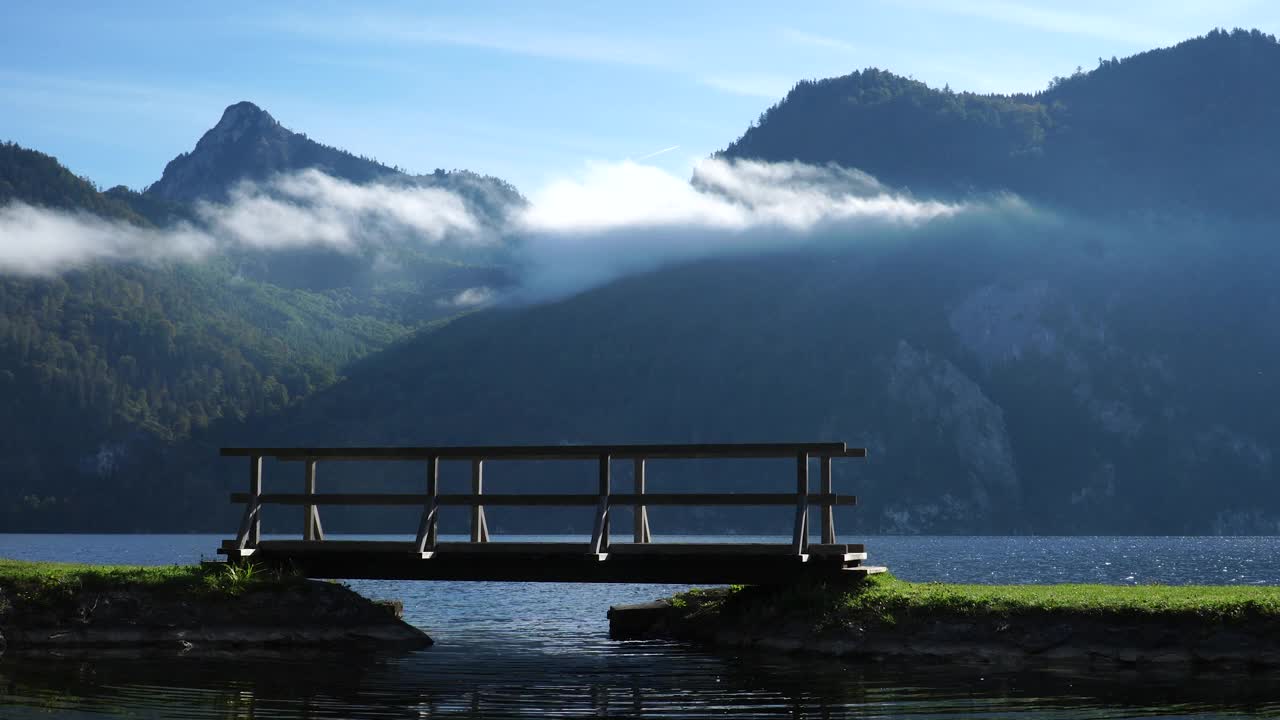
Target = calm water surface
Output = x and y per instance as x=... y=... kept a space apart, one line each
x=534 y=650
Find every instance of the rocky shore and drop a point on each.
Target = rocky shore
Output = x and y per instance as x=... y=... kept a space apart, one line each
x=887 y=620
x=188 y=610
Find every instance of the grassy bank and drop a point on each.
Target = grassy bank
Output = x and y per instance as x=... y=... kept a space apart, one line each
x=887 y=618
x=886 y=600
x=79 y=607
x=34 y=586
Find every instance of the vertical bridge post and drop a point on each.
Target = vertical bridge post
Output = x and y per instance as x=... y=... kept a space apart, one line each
x=640 y=532
x=600 y=533
x=479 y=528
x=800 y=536
x=251 y=521
x=311 y=528
x=828 y=510
x=425 y=542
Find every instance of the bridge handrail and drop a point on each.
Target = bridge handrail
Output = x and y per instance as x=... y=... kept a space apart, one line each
x=544 y=499
x=603 y=499
x=724 y=451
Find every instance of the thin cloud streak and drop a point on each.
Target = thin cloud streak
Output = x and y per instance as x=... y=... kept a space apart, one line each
x=527 y=41
x=656 y=153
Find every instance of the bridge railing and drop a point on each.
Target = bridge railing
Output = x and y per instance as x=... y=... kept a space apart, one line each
x=604 y=500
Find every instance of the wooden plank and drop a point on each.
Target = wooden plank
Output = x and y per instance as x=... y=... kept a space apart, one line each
x=828 y=512
x=546 y=499
x=394 y=545
x=315 y=520
x=513 y=548
x=572 y=566
x=553 y=452
x=600 y=531
x=361 y=546
x=255 y=501
x=700 y=549
x=600 y=528
x=309 y=487
x=373 y=548
x=425 y=540
x=246 y=526
x=836 y=549
x=743 y=499
x=640 y=516
x=800 y=533
x=479 y=531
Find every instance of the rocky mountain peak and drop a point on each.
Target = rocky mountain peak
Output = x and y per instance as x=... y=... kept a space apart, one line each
x=238 y=120
x=248 y=143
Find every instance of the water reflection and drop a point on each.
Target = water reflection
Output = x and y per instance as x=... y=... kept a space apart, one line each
x=535 y=650
x=644 y=679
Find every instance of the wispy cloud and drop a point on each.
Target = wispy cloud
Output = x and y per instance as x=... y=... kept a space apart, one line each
x=605 y=47
x=801 y=37
x=656 y=153
x=1111 y=26
x=95 y=96
x=548 y=43
x=471 y=297
x=307 y=209
x=622 y=218
x=577 y=232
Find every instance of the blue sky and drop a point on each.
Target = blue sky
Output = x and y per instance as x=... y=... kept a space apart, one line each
x=525 y=91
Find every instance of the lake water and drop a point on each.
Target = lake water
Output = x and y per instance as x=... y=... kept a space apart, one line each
x=535 y=650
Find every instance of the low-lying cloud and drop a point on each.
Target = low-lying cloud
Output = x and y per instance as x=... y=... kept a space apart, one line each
x=300 y=210
x=618 y=219
x=610 y=220
x=310 y=208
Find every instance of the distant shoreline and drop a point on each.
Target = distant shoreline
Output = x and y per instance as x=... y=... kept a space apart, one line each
x=61 y=607
x=883 y=618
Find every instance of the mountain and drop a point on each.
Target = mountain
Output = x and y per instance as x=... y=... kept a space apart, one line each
x=1096 y=358
x=30 y=176
x=249 y=144
x=106 y=366
x=1188 y=128
x=1104 y=366
x=111 y=366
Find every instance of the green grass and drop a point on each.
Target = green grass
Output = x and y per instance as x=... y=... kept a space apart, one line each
x=35 y=586
x=886 y=600
x=1201 y=602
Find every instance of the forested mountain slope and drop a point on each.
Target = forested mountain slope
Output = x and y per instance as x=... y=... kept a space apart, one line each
x=1185 y=128
x=107 y=366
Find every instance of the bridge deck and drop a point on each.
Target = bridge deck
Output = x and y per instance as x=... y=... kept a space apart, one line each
x=675 y=563
x=599 y=560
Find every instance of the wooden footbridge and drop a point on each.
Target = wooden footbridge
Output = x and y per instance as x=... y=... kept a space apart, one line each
x=600 y=559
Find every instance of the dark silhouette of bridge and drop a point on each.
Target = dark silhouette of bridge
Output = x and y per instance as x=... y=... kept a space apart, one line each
x=601 y=559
